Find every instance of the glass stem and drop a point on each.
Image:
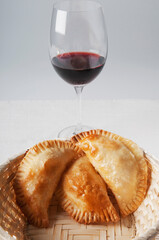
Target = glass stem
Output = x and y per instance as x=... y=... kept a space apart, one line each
x=78 y=90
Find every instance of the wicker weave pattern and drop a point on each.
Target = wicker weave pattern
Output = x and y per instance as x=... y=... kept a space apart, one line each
x=11 y=218
x=147 y=214
x=63 y=227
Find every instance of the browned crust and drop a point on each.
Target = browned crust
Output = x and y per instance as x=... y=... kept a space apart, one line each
x=149 y=178
x=18 y=184
x=143 y=177
x=86 y=217
x=81 y=176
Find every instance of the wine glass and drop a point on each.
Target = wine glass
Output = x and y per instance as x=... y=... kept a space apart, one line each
x=78 y=47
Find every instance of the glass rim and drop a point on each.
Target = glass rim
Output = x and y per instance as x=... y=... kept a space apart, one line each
x=93 y=5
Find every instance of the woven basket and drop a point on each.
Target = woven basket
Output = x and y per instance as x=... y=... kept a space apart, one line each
x=143 y=224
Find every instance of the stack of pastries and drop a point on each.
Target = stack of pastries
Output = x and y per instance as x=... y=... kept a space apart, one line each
x=81 y=172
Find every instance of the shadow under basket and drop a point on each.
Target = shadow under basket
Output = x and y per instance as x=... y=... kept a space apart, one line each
x=142 y=224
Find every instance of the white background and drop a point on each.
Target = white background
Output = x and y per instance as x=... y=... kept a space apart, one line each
x=131 y=71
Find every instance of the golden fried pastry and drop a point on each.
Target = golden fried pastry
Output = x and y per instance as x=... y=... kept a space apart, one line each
x=38 y=176
x=83 y=194
x=120 y=162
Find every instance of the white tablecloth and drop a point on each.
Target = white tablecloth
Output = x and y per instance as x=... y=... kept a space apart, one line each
x=25 y=123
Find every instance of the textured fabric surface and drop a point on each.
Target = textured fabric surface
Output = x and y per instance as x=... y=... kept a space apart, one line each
x=24 y=123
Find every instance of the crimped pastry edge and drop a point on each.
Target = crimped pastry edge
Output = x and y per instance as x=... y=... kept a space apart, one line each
x=18 y=188
x=143 y=180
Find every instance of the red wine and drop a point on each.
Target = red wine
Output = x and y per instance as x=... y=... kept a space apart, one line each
x=78 y=68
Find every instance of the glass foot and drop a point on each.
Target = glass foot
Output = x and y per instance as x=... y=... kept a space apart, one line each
x=68 y=132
